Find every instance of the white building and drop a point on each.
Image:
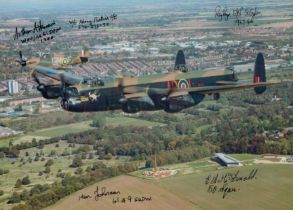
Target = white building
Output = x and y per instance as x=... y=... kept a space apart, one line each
x=13 y=87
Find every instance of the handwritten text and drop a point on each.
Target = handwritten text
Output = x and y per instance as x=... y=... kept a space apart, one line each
x=223 y=183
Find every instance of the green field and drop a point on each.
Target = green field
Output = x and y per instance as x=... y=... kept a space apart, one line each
x=63 y=129
x=77 y=128
x=83 y=126
x=270 y=188
x=18 y=170
x=127 y=121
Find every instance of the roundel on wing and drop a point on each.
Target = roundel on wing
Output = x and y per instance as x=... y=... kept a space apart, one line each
x=183 y=83
x=66 y=60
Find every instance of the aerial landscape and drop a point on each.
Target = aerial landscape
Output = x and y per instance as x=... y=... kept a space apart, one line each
x=135 y=104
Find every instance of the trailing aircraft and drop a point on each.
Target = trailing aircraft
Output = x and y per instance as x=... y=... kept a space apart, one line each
x=58 y=61
x=172 y=92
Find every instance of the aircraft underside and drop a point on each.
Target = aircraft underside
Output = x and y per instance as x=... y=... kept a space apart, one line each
x=95 y=103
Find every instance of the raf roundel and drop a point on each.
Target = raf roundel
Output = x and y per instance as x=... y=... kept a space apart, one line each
x=183 y=83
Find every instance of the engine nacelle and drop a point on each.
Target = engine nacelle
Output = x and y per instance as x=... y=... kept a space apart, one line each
x=50 y=92
x=216 y=96
x=54 y=91
x=130 y=108
x=138 y=104
x=176 y=104
x=173 y=107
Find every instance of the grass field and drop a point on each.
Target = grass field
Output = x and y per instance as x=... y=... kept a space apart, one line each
x=76 y=128
x=271 y=189
x=83 y=126
x=62 y=145
x=63 y=129
x=17 y=170
x=127 y=186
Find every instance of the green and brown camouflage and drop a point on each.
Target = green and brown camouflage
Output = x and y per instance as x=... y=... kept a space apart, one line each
x=171 y=92
x=60 y=60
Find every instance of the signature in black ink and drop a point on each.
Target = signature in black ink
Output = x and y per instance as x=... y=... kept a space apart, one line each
x=95 y=23
x=222 y=13
x=118 y=198
x=84 y=197
x=240 y=15
x=131 y=199
x=104 y=193
x=38 y=32
x=213 y=181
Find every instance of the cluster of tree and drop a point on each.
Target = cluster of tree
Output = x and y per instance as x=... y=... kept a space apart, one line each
x=3 y=171
x=181 y=155
x=10 y=152
x=23 y=181
x=13 y=151
x=99 y=121
x=76 y=162
x=36 y=122
x=89 y=137
x=41 y=196
x=34 y=143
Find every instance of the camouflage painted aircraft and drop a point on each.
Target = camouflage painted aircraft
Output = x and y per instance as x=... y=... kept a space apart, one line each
x=59 y=60
x=64 y=61
x=171 y=92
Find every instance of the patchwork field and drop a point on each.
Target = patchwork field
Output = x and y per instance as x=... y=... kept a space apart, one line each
x=127 y=186
x=270 y=188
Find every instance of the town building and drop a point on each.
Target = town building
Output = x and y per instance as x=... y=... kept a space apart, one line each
x=13 y=87
x=225 y=160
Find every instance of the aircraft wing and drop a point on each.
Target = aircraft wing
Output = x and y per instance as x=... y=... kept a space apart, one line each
x=227 y=87
x=140 y=97
x=135 y=96
x=69 y=78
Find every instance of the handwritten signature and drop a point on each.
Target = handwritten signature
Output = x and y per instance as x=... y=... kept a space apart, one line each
x=38 y=32
x=118 y=198
x=131 y=199
x=95 y=23
x=104 y=193
x=240 y=15
x=222 y=183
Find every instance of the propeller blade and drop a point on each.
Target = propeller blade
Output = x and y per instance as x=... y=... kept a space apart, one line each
x=62 y=86
x=22 y=69
x=20 y=55
x=36 y=78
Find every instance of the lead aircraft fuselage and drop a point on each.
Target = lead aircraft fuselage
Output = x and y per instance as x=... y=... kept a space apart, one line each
x=147 y=92
x=171 y=92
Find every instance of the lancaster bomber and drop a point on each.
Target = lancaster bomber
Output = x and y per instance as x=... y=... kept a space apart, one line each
x=171 y=92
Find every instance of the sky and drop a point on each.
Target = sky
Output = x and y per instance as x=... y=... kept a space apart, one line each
x=49 y=4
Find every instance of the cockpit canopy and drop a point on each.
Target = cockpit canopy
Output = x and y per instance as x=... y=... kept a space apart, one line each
x=92 y=81
x=232 y=69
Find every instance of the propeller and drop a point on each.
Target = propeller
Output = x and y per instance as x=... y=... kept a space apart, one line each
x=21 y=61
x=41 y=87
x=65 y=90
x=63 y=97
x=62 y=87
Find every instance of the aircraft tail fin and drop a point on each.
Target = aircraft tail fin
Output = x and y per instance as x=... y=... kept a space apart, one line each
x=84 y=56
x=259 y=73
x=180 y=63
